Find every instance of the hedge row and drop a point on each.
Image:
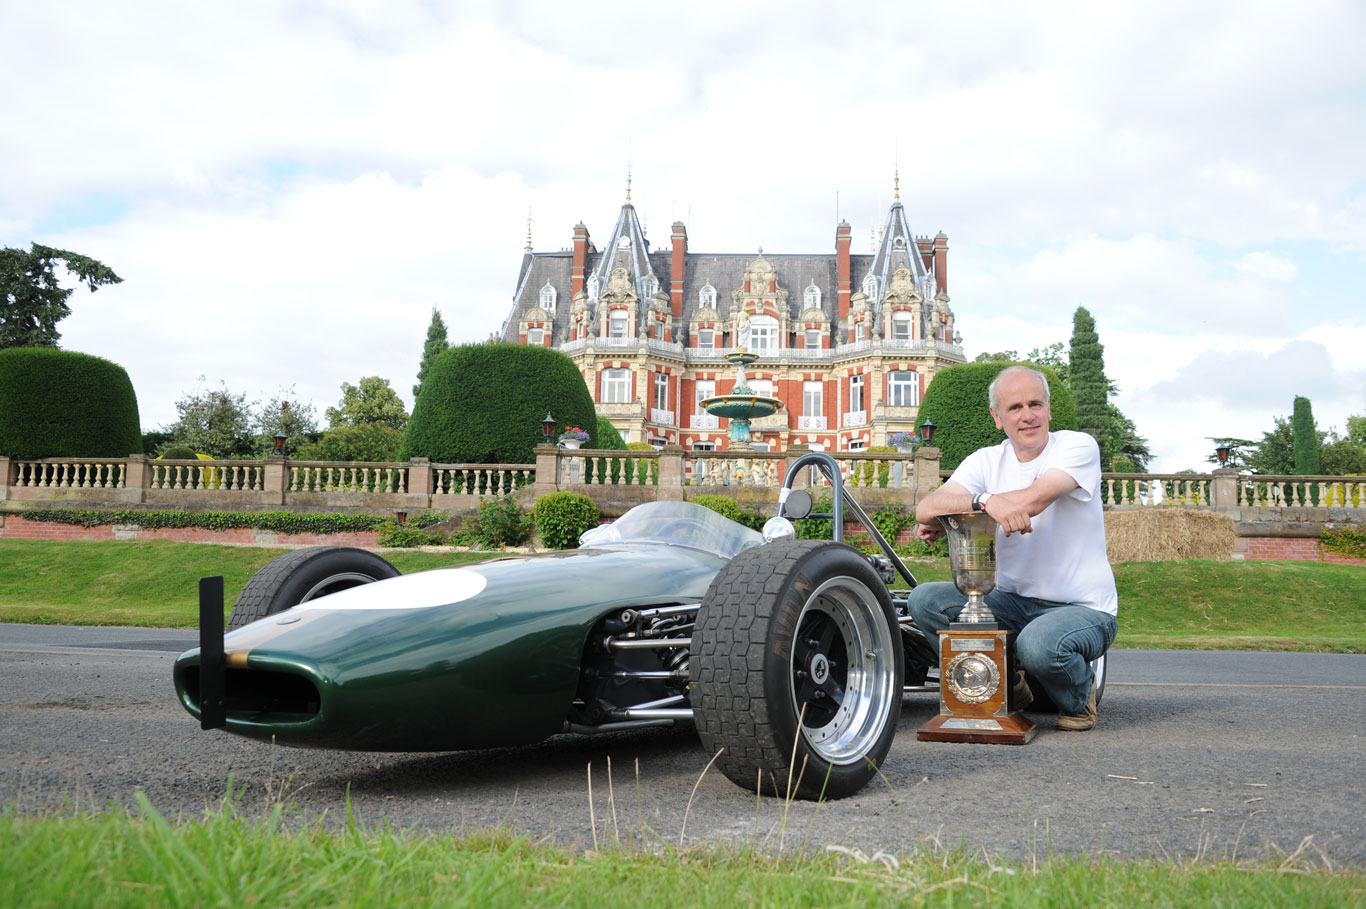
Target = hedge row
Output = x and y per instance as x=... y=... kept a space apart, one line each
x=272 y=521
x=59 y=403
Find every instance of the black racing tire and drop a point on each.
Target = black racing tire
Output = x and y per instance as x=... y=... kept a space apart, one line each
x=1044 y=704
x=306 y=574
x=796 y=670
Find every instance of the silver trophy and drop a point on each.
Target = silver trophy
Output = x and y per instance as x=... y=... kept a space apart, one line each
x=972 y=556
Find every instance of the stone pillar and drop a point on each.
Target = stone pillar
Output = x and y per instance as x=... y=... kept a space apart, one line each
x=926 y=471
x=6 y=476
x=671 y=473
x=1223 y=488
x=792 y=454
x=137 y=478
x=547 y=468
x=275 y=480
x=419 y=483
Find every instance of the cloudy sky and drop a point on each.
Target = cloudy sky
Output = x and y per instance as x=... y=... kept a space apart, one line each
x=287 y=189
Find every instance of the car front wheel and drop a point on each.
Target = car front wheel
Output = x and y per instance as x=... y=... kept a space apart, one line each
x=796 y=667
x=306 y=574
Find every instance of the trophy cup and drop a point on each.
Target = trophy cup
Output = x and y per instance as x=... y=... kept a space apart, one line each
x=974 y=673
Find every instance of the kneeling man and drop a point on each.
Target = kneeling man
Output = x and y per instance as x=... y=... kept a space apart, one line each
x=1054 y=587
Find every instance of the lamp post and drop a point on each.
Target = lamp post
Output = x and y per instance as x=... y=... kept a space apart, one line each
x=548 y=427
x=927 y=431
x=1222 y=453
x=280 y=444
x=402 y=515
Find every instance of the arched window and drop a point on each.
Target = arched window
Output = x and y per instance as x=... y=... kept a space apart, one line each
x=763 y=334
x=548 y=298
x=870 y=288
x=593 y=285
x=707 y=296
x=651 y=284
x=811 y=297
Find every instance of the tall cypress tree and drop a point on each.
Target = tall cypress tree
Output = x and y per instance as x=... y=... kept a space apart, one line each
x=435 y=346
x=1087 y=382
x=1305 y=436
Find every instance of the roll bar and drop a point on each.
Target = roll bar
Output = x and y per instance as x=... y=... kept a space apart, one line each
x=842 y=500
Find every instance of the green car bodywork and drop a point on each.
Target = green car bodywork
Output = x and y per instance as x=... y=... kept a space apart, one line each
x=499 y=667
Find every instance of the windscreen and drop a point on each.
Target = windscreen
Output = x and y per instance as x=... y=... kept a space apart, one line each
x=678 y=524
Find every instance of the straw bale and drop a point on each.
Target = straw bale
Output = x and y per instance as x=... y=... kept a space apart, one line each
x=1168 y=534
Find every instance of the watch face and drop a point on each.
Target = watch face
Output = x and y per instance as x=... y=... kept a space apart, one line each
x=972 y=678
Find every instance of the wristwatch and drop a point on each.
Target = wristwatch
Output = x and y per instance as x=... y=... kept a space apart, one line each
x=979 y=501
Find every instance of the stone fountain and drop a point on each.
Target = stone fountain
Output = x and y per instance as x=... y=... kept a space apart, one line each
x=742 y=405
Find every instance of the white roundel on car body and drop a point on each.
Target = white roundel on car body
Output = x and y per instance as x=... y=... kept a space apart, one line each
x=424 y=590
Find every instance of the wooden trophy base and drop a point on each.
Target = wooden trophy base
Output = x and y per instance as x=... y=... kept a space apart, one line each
x=992 y=730
x=974 y=689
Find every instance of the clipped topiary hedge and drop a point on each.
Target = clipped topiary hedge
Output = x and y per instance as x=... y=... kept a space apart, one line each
x=606 y=437
x=484 y=403
x=956 y=402
x=62 y=404
x=562 y=517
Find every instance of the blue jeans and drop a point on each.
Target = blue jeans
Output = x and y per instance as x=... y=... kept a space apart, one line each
x=1054 y=642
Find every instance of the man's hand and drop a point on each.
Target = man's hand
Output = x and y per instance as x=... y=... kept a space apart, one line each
x=1009 y=512
x=929 y=532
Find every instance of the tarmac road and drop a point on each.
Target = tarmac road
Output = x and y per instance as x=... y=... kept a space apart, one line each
x=1215 y=754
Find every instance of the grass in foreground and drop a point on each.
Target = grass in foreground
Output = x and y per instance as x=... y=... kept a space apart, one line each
x=1305 y=606
x=138 y=858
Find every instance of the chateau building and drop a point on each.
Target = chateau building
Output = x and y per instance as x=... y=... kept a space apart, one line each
x=847 y=342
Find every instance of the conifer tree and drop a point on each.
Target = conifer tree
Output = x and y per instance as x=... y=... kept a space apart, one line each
x=1305 y=436
x=435 y=346
x=1086 y=380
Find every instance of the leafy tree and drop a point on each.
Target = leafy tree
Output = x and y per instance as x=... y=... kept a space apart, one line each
x=1000 y=356
x=33 y=300
x=366 y=442
x=214 y=422
x=1126 y=443
x=371 y=401
x=1275 y=452
x=1086 y=379
x=1306 y=438
x=297 y=420
x=1346 y=455
x=435 y=345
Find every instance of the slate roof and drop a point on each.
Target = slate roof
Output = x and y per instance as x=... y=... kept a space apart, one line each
x=724 y=271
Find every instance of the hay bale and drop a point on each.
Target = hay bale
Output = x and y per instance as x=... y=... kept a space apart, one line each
x=1168 y=534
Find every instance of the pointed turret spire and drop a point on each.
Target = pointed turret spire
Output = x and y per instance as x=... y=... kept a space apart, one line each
x=528 y=228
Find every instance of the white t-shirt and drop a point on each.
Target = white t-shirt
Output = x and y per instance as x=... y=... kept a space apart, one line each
x=1063 y=558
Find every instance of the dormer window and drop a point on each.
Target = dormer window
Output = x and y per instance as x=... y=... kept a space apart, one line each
x=811 y=297
x=706 y=297
x=616 y=324
x=593 y=285
x=870 y=288
x=548 y=298
x=651 y=284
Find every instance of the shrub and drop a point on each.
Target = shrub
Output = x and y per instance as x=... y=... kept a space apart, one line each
x=177 y=453
x=502 y=523
x=1347 y=539
x=817 y=528
x=58 y=403
x=394 y=535
x=562 y=517
x=725 y=507
x=483 y=404
x=365 y=442
x=956 y=402
x=606 y=437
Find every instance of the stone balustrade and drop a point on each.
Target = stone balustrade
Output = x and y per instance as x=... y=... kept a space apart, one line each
x=615 y=479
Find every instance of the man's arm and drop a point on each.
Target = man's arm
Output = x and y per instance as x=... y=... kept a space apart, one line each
x=1012 y=510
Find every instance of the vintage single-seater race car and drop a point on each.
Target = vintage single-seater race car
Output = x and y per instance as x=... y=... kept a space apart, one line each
x=784 y=653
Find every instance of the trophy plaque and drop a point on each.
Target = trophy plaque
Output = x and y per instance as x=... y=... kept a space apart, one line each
x=974 y=674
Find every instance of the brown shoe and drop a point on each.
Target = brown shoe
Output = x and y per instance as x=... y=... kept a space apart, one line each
x=1080 y=722
x=1021 y=695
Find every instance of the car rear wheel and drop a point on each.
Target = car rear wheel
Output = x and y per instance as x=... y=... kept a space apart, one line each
x=796 y=668
x=306 y=574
